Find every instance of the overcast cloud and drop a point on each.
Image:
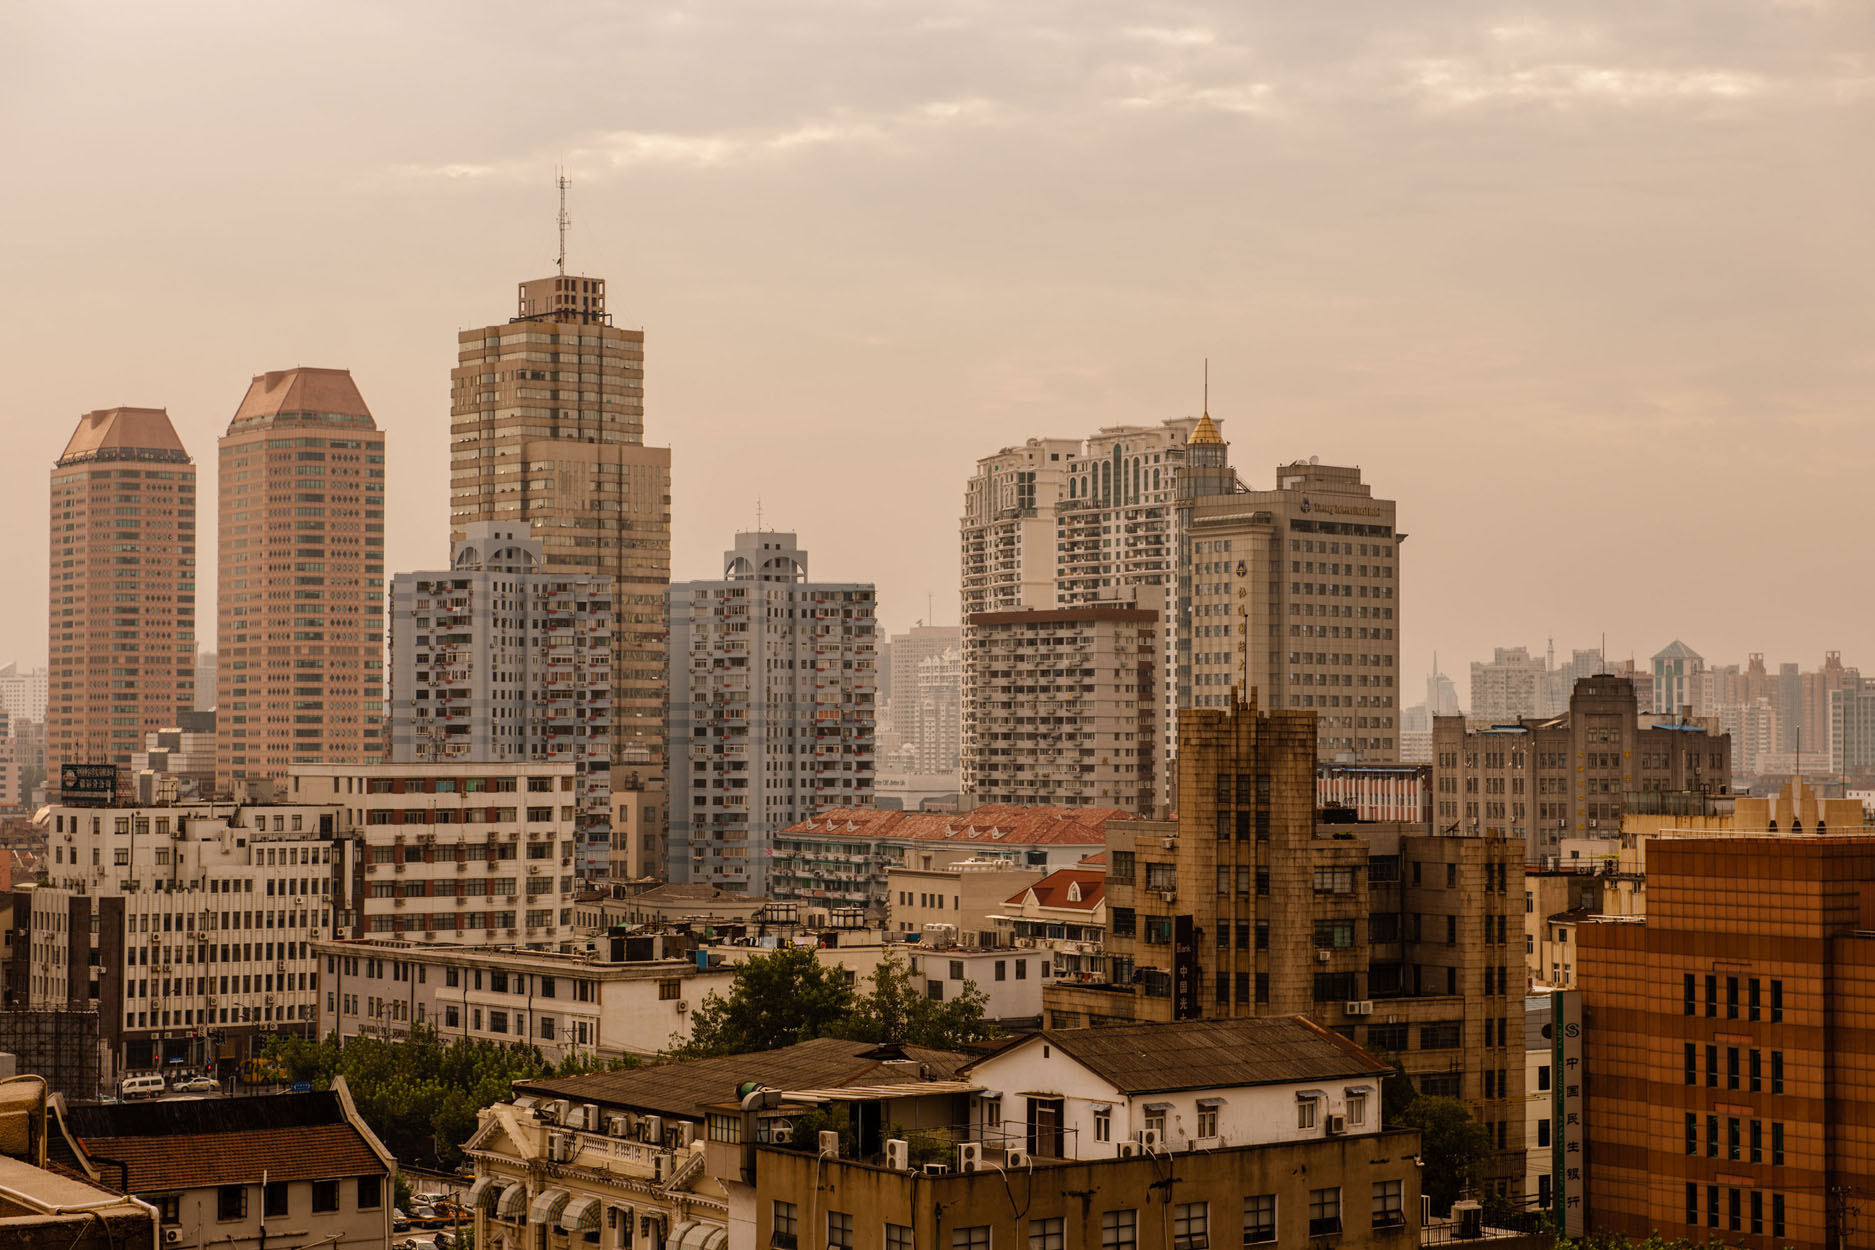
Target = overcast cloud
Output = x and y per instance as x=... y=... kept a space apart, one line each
x=1586 y=286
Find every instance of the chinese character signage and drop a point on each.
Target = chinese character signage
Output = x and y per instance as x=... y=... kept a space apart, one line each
x=1568 y=1141
x=1184 y=970
x=88 y=785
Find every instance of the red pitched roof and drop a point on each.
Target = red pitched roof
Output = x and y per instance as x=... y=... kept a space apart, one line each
x=1052 y=890
x=1074 y=826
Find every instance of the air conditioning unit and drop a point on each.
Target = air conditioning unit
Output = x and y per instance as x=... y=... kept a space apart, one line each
x=897 y=1154
x=683 y=1005
x=782 y=1133
x=1322 y=956
x=1129 y=1150
x=1337 y=1125
x=1361 y=1007
x=1148 y=1140
x=1168 y=843
x=936 y=1169
x=969 y=1156
x=616 y=1126
x=172 y=1236
x=830 y=1143
x=653 y=1126
x=1017 y=1158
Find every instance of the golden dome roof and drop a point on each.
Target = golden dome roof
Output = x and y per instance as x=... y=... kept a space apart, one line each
x=1204 y=432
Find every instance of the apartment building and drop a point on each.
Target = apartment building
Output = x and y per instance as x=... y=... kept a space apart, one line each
x=121 y=625
x=841 y=858
x=462 y=852
x=546 y=428
x=1728 y=1048
x=772 y=709
x=629 y=996
x=957 y=899
x=1247 y=906
x=1296 y=593
x=920 y=689
x=1540 y=781
x=1512 y=685
x=1061 y=706
x=300 y=592
x=187 y=927
x=495 y=659
x=1065 y=914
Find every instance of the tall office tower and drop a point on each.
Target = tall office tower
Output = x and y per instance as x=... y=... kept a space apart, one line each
x=772 y=684
x=1819 y=691
x=1246 y=905
x=1295 y=592
x=1787 y=697
x=1677 y=669
x=121 y=637
x=205 y=681
x=1513 y=685
x=300 y=616
x=1441 y=694
x=1061 y=523
x=495 y=661
x=547 y=430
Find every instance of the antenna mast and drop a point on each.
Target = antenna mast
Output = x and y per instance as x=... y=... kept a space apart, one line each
x=565 y=221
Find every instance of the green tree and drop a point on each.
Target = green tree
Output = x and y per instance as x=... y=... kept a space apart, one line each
x=1452 y=1147
x=896 y=1010
x=777 y=999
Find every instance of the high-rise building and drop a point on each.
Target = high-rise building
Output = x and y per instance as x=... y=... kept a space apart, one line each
x=1247 y=905
x=1677 y=671
x=918 y=709
x=300 y=604
x=494 y=660
x=1512 y=686
x=121 y=636
x=1295 y=592
x=1727 y=1045
x=773 y=678
x=205 y=681
x=23 y=695
x=1852 y=726
x=547 y=430
x=1539 y=781
x=1061 y=706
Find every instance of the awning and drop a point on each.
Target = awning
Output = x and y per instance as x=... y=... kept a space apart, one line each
x=547 y=1206
x=512 y=1204
x=1158 y=1106
x=1210 y=1102
x=581 y=1216
x=1359 y=1089
x=482 y=1194
x=695 y=1236
x=1309 y=1095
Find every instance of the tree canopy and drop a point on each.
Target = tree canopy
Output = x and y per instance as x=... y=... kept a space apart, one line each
x=1452 y=1145
x=789 y=995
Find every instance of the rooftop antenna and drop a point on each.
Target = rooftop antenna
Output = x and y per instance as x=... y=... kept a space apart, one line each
x=565 y=221
x=758 y=514
x=1207 y=386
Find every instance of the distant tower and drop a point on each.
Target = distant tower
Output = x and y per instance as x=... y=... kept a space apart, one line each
x=121 y=627
x=299 y=664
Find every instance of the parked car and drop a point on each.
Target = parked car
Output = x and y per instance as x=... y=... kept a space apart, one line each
x=199 y=1085
x=400 y=1222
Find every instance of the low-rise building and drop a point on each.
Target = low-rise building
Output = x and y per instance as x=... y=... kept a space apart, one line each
x=840 y=857
x=689 y=902
x=960 y=897
x=1010 y=981
x=632 y=996
x=1389 y=792
x=240 y=1173
x=50 y=1198
x=1065 y=914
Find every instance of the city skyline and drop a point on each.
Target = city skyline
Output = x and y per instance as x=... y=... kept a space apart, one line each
x=1635 y=342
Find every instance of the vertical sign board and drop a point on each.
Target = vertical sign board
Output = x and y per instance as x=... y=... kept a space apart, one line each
x=1568 y=1143
x=1184 y=970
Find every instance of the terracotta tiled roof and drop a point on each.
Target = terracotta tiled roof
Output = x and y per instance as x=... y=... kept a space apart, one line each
x=684 y=1089
x=1097 y=860
x=192 y=1143
x=1052 y=890
x=1213 y=1054
x=1073 y=826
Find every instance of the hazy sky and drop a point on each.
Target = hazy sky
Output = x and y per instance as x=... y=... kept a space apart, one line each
x=1586 y=286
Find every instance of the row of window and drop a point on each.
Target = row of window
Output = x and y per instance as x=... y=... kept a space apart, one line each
x=1735 y=1203
x=1754 y=997
x=1754 y=1068
x=231 y=1200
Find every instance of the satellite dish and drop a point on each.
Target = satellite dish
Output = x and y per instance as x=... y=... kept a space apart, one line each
x=1315 y=459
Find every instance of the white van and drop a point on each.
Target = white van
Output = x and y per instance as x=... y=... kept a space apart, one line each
x=141 y=1087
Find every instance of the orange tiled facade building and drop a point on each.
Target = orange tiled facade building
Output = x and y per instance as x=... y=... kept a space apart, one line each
x=1730 y=1045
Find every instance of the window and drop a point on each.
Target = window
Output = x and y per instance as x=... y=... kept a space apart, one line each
x=1692 y=1133
x=1777 y=1016
x=1777 y=1206
x=1777 y=1143
x=1387 y=1209
x=1692 y=1203
x=840 y=1228
x=783 y=1231
x=1207 y=1121
x=1103 y=1124
x=975 y=1237
x=1692 y=1064
x=1777 y=1072
x=898 y=1237
x=273 y=1199
x=1712 y=995
x=670 y=990
x=1686 y=985
x=1757 y=1141
x=1305 y=1113
x=1324 y=1212
x=1357 y=1110
x=1259 y=1219
x=370 y=1192
x=1119 y=1230
x=1047 y=1234
x=325 y=1196
x=1334 y=880
x=1190 y=1224
x=231 y=1202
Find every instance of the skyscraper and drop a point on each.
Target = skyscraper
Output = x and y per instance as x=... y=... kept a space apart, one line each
x=300 y=606
x=772 y=684
x=547 y=430
x=121 y=637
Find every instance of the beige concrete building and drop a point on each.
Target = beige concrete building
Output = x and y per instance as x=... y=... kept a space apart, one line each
x=121 y=621
x=1061 y=705
x=1245 y=906
x=1296 y=593
x=958 y=900
x=1540 y=781
x=1513 y=685
x=300 y=601
x=547 y=429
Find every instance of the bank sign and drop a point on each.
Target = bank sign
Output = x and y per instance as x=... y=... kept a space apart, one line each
x=1568 y=1138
